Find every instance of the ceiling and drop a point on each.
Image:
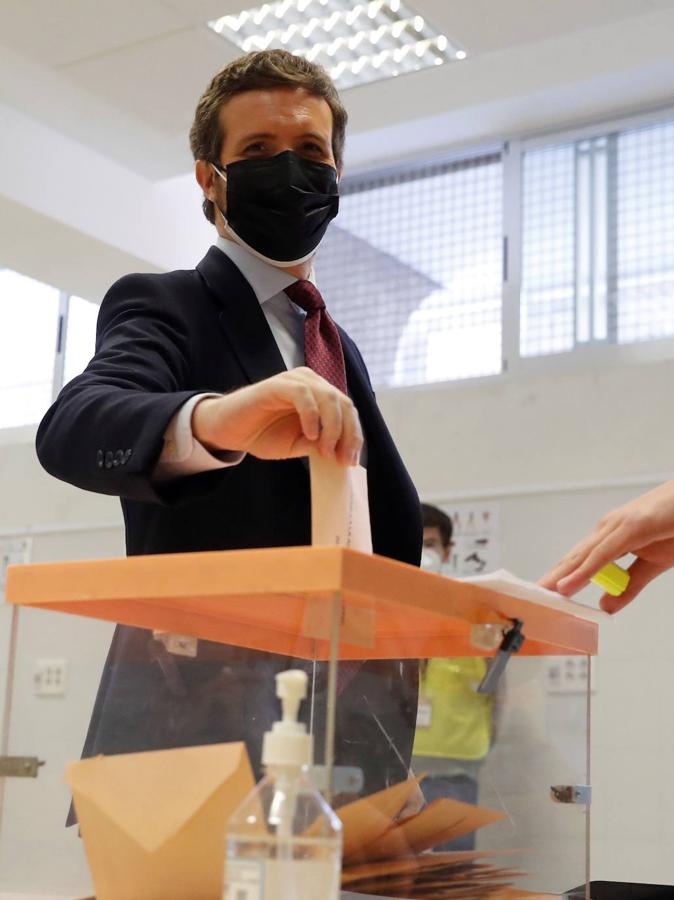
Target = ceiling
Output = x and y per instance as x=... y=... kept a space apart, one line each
x=122 y=77
x=97 y=97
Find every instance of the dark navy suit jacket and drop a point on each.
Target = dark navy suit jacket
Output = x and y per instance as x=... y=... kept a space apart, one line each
x=160 y=340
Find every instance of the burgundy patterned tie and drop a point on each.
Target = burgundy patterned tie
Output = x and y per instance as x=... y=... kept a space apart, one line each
x=323 y=353
x=322 y=345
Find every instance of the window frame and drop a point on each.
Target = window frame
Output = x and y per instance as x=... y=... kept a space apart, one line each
x=61 y=343
x=592 y=355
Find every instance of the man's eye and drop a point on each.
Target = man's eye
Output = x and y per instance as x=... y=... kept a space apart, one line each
x=311 y=147
x=257 y=147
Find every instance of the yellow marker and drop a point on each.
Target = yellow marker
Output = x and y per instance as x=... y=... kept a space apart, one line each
x=613 y=579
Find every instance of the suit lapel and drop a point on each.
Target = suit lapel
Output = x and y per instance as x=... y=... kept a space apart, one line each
x=241 y=318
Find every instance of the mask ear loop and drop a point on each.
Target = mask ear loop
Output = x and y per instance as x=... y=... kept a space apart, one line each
x=224 y=217
x=224 y=178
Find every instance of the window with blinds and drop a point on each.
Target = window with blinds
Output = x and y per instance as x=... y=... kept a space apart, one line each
x=412 y=269
x=598 y=241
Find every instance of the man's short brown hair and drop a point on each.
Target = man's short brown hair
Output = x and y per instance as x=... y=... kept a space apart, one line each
x=261 y=70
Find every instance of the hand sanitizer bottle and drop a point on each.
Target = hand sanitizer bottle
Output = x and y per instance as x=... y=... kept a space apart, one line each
x=284 y=842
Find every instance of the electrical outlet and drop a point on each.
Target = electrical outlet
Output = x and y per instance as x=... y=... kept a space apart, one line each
x=50 y=677
x=568 y=674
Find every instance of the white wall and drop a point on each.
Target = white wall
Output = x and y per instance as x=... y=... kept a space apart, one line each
x=556 y=451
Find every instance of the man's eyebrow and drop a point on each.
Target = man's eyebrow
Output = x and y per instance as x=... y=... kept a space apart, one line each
x=266 y=135
x=256 y=137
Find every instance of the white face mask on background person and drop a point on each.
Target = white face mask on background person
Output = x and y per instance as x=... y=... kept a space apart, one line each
x=431 y=560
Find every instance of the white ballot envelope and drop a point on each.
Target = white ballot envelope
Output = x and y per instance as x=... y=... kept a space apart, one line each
x=340 y=512
x=505 y=582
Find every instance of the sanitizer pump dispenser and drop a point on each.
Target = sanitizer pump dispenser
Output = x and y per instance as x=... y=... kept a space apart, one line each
x=284 y=842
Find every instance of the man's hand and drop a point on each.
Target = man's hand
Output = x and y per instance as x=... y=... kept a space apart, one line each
x=282 y=417
x=644 y=527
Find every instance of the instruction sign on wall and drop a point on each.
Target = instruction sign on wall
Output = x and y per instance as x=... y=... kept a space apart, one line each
x=476 y=538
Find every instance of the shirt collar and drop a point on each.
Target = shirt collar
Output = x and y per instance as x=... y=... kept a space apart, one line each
x=266 y=280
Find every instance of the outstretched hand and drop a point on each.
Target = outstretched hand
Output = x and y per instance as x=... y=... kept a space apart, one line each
x=281 y=417
x=643 y=527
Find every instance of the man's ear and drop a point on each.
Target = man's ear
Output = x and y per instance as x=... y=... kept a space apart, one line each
x=203 y=172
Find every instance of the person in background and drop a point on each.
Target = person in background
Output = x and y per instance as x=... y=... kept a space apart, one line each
x=454 y=723
x=643 y=527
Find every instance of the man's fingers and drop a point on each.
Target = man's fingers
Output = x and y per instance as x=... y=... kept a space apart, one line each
x=569 y=564
x=560 y=570
x=331 y=421
x=301 y=447
x=328 y=420
x=308 y=412
x=351 y=442
x=642 y=573
x=610 y=548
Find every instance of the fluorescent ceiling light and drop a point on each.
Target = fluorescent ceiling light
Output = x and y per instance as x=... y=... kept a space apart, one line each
x=356 y=42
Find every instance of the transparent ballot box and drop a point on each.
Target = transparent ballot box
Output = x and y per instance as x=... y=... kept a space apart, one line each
x=450 y=720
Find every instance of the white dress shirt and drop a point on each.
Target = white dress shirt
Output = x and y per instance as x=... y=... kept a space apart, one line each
x=182 y=453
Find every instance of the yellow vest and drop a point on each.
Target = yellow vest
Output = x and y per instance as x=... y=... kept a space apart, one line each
x=460 y=718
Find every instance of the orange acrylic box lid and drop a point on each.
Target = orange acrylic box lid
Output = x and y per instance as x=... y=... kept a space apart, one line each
x=279 y=600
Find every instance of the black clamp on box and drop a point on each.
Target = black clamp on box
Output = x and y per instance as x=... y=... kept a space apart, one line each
x=511 y=643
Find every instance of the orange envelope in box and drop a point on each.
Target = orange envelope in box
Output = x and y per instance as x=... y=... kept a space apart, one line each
x=153 y=823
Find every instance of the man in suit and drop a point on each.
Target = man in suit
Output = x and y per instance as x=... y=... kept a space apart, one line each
x=207 y=389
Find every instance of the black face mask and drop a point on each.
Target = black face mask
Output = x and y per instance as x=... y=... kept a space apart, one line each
x=279 y=207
